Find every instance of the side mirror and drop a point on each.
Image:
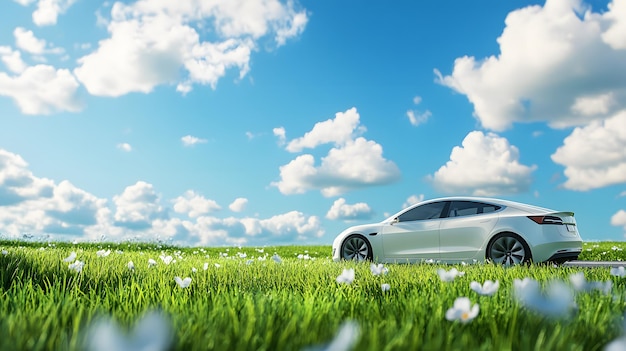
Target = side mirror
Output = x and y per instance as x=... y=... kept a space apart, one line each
x=395 y=220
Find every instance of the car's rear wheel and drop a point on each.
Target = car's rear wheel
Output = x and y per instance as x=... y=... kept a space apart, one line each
x=508 y=249
x=356 y=248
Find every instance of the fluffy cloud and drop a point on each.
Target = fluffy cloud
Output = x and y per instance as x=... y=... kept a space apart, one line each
x=125 y=147
x=352 y=163
x=338 y=131
x=138 y=206
x=341 y=210
x=280 y=133
x=40 y=207
x=594 y=155
x=417 y=117
x=26 y=40
x=154 y=42
x=189 y=140
x=619 y=219
x=18 y=184
x=412 y=200
x=41 y=89
x=12 y=59
x=484 y=165
x=37 y=205
x=194 y=205
x=238 y=205
x=553 y=66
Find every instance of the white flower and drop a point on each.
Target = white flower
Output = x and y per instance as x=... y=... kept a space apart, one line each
x=217 y=265
x=166 y=259
x=249 y=262
x=580 y=284
x=462 y=310
x=151 y=263
x=70 y=258
x=448 y=276
x=119 y=252
x=77 y=266
x=385 y=287
x=103 y=253
x=206 y=266
x=131 y=265
x=304 y=257
x=558 y=299
x=618 y=271
x=429 y=261
x=5 y=252
x=262 y=258
x=193 y=270
x=378 y=269
x=277 y=258
x=260 y=250
x=183 y=283
x=346 y=277
x=618 y=344
x=346 y=338
x=152 y=332
x=488 y=288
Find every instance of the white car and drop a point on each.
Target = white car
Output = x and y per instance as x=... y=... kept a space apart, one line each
x=464 y=229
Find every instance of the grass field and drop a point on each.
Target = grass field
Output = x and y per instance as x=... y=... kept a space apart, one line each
x=243 y=299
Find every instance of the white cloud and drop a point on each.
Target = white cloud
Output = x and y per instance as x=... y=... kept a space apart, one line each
x=48 y=11
x=416 y=118
x=194 y=205
x=594 y=155
x=41 y=89
x=359 y=163
x=619 y=219
x=153 y=42
x=189 y=140
x=343 y=211
x=615 y=35
x=553 y=66
x=125 y=147
x=12 y=59
x=26 y=40
x=281 y=134
x=484 y=165
x=343 y=128
x=350 y=164
x=412 y=200
x=138 y=206
x=24 y=2
x=238 y=205
x=39 y=206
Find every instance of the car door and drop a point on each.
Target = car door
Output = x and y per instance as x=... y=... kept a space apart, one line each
x=414 y=235
x=465 y=229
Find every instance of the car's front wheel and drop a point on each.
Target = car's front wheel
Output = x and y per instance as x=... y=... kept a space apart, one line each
x=508 y=249
x=356 y=248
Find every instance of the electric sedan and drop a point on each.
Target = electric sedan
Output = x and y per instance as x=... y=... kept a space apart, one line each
x=465 y=229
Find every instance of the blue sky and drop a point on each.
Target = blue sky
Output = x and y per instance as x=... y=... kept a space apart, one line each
x=275 y=122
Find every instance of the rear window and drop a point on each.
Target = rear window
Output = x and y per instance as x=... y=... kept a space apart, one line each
x=469 y=208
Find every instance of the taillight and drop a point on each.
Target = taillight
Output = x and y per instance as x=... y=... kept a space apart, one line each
x=546 y=220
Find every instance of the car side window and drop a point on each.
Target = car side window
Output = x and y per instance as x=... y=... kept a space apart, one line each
x=468 y=208
x=423 y=212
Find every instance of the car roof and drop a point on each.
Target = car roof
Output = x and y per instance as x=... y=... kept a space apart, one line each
x=508 y=203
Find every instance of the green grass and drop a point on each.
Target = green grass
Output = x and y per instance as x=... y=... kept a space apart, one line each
x=289 y=306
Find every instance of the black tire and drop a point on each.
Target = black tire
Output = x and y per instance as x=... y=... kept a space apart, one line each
x=356 y=248
x=508 y=249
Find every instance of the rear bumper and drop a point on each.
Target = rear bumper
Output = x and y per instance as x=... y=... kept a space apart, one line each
x=565 y=256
